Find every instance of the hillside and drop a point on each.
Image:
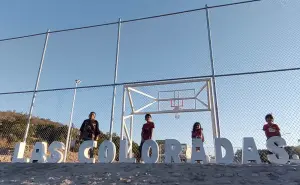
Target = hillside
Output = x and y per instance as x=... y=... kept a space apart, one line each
x=13 y=125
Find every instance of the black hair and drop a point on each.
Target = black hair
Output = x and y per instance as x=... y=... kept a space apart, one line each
x=93 y=113
x=269 y=116
x=148 y=115
x=194 y=126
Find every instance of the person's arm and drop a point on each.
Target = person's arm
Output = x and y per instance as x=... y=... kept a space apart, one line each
x=264 y=129
x=142 y=134
x=202 y=137
x=81 y=130
x=151 y=130
x=152 y=133
x=278 y=130
x=193 y=134
x=97 y=131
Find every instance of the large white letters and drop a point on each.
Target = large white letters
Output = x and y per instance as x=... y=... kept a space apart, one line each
x=145 y=151
x=123 y=153
x=226 y=144
x=198 y=155
x=172 y=151
x=283 y=156
x=56 y=155
x=107 y=152
x=18 y=156
x=39 y=153
x=250 y=152
x=83 y=154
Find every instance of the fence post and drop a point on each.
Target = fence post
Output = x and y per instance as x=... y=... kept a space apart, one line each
x=212 y=71
x=115 y=81
x=36 y=86
x=77 y=82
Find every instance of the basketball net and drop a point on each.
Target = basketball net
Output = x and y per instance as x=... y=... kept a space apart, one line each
x=177 y=115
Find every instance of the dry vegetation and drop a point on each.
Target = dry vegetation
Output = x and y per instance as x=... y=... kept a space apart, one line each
x=12 y=129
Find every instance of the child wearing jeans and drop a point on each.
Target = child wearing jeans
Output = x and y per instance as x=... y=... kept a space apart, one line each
x=271 y=129
x=147 y=131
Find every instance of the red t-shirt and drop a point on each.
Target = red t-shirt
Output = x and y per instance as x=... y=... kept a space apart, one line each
x=147 y=130
x=198 y=134
x=271 y=130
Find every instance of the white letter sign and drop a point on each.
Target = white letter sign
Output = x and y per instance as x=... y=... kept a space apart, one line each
x=18 y=156
x=277 y=150
x=123 y=153
x=107 y=152
x=56 y=156
x=250 y=152
x=198 y=155
x=145 y=151
x=83 y=154
x=39 y=153
x=226 y=144
x=172 y=151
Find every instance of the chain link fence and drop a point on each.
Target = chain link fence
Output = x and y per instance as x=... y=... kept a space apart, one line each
x=256 y=71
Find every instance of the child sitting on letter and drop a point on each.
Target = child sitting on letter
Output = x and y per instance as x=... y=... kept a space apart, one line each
x=271 y=129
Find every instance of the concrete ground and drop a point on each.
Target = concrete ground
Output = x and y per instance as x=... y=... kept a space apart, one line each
x=76 y=173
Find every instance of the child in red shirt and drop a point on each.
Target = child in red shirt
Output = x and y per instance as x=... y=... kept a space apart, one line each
x=147 y=131
x=271 y=129
x=197 y=131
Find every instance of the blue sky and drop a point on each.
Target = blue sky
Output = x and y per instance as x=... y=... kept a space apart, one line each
x=252 y=37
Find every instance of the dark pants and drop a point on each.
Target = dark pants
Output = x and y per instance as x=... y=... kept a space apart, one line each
x=91 y=150
x=140 y=149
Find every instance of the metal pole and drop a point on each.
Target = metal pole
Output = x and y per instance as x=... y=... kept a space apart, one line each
x=212 y=109
x=123 y=113
x=115 y=81
x=36 y=86
x=212 y=71
x=71 y=119
x=70 y=140
x=131 y=135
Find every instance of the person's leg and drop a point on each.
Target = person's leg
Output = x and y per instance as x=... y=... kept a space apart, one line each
x=140 y=150
x=91 y=151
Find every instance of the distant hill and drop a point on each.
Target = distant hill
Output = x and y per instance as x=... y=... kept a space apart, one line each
x=13 y=125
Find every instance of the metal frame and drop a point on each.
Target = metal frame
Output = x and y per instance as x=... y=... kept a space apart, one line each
x=127 y=89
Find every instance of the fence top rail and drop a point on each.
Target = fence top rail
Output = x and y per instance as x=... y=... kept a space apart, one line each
x=165 y=82
x=131 y=20
x=130 y=84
